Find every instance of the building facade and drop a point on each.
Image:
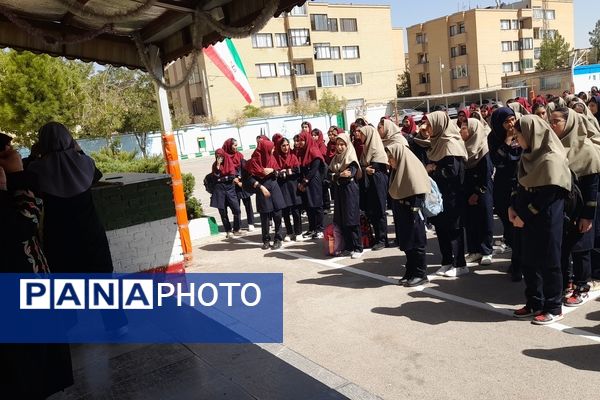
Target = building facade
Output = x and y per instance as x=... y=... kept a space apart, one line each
x=475 y=49
x=351 y=50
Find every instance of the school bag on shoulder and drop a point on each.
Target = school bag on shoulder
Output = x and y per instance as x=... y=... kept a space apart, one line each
x=366 y=232
x=209 y=182
x=434 y=204
x=333 y=240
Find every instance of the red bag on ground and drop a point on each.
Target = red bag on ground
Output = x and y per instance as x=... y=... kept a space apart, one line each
x=333 y=240
x=366 y=232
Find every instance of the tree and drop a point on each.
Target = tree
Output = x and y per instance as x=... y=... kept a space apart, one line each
x=251 y=111
x=554 y=53
x=209 y=122
x=303 y=108
x=36 y=89
x=330 y=104
x=595 y=41
x=403 y=86
x=238 y=120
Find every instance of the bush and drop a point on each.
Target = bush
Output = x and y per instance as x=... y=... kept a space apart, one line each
x=189 y=184
x=192 y=204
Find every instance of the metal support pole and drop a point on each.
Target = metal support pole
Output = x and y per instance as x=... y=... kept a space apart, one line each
x=171 y=157
x=441 y=76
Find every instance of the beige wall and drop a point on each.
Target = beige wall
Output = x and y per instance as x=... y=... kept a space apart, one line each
x=379 y=64
x=547 y=82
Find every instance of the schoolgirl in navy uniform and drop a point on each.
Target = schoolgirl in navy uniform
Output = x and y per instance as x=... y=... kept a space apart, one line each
x=411 y=134
x=537 y=207
x=479 y=213
x=223 y=196
x=289 y=172
x=230 y=147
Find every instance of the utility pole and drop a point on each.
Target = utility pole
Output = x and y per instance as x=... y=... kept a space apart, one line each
x=441 y=76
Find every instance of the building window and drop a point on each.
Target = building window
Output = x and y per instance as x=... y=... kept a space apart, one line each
x=348 y=25
x=307 y=93
x=550 y=14
x=538 y=13
x=194 y=78
x=298 y=10
x=335 y=52
x=353 y=78
x=515 y=24
x=281 y=40
x=516 y=66
x=329 y=79
x=453 y=52
x=262 y=40
x=421 y=38
x=266 y=70
x=507 y=46
x=197 y=106
x=505 y=24
x=537 y=53
x=423 y=78
x=422 y=58
x=527 y=63
x=461 y=27
x=269 y=100
x=550 y=82
x=547 y=33
x=319 y=22
x=350 y=52
x=287 y=98
x=333 y=25
x=284 y=69
x=463 y=49
x=300 y=69
x=322 y=51
x=459 y=71
x=507 y=67
x=526 y=44
x=299 y=37
x=515 y=45
x=453 y=30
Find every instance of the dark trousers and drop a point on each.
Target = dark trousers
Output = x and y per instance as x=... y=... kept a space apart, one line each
x=249 y=211
x=580 y=271
x=543 y=287
x=452 y=245
x=507 y=226
x=596 y=261
x=315 y=219
x=326 y=197
x=294 y=213
x=264 y=225
x=479 y=227
x=379 y=223
x=416 y=267
x=352 y=238
x=225 y=218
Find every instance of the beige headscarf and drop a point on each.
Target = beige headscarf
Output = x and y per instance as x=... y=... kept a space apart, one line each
x=477 y=115
x=583 y=155
x=476 y=144
x=518 y=109
x=341 y=162
x=588 y=114
x=392 y=134
x=374 y=151
x=544 y=162
x=445 y=138
x=410 y=177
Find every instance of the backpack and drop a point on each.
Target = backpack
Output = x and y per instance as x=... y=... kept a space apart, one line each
x=434 y=204
x=333 y=240
x=366 y=232
x=209 y=182
x=573 y=202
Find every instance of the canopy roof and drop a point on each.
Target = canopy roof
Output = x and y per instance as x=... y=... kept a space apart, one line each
x=102 y=30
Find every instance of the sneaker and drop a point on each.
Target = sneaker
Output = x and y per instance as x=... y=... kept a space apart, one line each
x=237 y=233
x=454 y=272
x=266 y=246
x=443 y=270
x=486 y=260
x=545 y=318
x=502 y=248
x=228 y=235
x=308 y=234
x=525 y=312
x=568 y=292
x=378 y=246
x=294 y=238
x=318 y=235
x=576 y=299
x=594 y=285
x=287 y=238
x=345 y=253
x=356 y=254
x=251 y=228
x=416 y=281
x=471 y=258
x=276 y=245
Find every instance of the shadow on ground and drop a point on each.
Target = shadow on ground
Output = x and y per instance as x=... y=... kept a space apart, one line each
x=578 y=357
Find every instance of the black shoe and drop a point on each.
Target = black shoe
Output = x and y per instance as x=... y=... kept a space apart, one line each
x=416 y=281
x=378 y=246
x=308 y=234
x=345 y=253
x=404 y=279
x=266 y=246
x=276 y=245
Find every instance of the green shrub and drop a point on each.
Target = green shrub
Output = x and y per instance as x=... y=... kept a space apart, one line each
x=189 y=184
x=193 y=208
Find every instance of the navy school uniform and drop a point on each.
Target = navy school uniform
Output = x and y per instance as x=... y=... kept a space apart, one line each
x=596 y=249
x=419 y=151
x=412 y=238
x=346 y=212
x=578 y=246
x=224 y=196
x=449 y=175
x=245 y=195
x=542 y=211
x=293 y=201
x=479 y=219
x=269 y=207
x=312 y=197
x=374 y=194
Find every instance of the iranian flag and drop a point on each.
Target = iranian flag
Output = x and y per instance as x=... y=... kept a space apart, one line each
x=226 y=58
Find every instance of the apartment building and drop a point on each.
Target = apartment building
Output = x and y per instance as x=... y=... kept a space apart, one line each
x=351 y=50
x=475 y=49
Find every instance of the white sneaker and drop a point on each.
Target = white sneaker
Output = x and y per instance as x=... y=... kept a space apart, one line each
x=471 y=258
x=486 y=260
x=443 y=270
x=356 y=254
x=502 y=248
x=250 y=228
x=454 y=272
x=287 y=239
x=228 y=235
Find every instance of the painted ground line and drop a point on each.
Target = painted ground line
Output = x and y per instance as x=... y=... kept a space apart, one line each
x=497 y=308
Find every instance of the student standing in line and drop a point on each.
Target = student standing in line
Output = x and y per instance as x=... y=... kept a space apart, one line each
x=412 y=135
x=230 y=147
x=584 y=160
x=479 y=215
x=344 y=168
x=447 y=155
x=310 y=184
x=262 y=168
x=224 y=196
x=374 y=184
x=289 y=167
x=537 y=207
x=409 y=183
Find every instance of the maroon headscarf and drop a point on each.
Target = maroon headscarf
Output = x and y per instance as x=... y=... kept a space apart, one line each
x=320 y=141
x=276 y=137
x=261 y=159
x=523 y=101
x=309 y=127
x=332 y=147
x=231 y=152
x=412 y=128
x=465 y=111
x=227 y=167
x=285 y=160
x=310 y=151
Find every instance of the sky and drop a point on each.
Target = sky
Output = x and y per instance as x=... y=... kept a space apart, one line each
x=406 y=13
